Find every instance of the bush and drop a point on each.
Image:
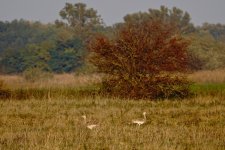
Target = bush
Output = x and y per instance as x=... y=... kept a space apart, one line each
x=35 y=74
x=142 y=61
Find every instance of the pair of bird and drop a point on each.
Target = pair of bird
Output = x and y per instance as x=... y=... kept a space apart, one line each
x=139 y=122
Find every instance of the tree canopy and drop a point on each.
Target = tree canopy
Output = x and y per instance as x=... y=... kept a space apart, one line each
x=138 y=60
x=173 y=16
x=79 y=18
x=62 y=46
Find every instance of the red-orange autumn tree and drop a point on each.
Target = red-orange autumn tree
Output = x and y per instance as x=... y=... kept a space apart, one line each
x=142 y=61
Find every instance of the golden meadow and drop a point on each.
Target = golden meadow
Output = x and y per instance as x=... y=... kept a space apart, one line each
x=47 y=114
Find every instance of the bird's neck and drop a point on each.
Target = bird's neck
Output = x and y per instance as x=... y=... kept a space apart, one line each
x=144 y=117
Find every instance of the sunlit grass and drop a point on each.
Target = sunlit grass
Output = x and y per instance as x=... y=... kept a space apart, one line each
x=57 y=124
x=208 y=76
x=58 y=80
x=47 y=115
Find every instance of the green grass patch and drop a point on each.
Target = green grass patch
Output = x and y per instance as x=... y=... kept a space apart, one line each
x=208 y=89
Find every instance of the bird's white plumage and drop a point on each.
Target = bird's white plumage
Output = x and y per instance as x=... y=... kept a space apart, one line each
x=91 y=126
x=84 y=116
x=140 y=121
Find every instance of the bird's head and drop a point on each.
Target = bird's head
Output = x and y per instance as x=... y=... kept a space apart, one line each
x=84 y=116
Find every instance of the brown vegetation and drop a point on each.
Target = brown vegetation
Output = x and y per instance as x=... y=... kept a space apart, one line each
x=142 y=60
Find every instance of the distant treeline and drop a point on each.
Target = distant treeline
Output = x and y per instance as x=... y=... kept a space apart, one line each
x=62 y=46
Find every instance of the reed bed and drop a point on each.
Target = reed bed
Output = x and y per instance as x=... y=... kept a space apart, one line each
x=208 y=76
x=57 y=81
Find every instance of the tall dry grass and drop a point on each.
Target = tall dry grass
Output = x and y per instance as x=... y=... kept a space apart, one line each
x=73 y=81
x=208 y=76
x=57 y=81
x=63 y=85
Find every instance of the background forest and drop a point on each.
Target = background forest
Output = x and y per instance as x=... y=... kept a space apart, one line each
x=61 y=47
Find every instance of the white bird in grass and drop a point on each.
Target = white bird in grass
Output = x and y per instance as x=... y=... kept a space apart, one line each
x=140 y=121
x=91 y=126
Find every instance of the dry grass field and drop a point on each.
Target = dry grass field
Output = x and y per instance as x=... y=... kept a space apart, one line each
x=56 y=122
x=58 y=80
x=196 y=123
x=208 y=76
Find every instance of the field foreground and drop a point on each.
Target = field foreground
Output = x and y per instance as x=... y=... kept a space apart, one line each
x=47 y=114
x=197 y=123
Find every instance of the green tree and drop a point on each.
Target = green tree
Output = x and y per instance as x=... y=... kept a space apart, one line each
x=78 y=23
x=216 y=30
x=173 y=16
x=37 y=56
x=209 y=52
x=32 y=56
x=12 y=61
x=67 y=55
x=16 y=37
x=80 y=18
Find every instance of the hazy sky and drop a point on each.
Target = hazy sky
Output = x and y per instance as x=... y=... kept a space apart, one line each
x=112 y=11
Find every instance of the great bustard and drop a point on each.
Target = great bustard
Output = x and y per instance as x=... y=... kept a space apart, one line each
x=90 y=126
x=140 y=121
